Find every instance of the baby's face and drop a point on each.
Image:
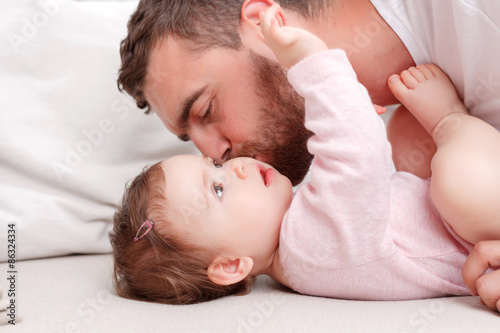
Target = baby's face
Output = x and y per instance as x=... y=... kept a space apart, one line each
x=235 y=209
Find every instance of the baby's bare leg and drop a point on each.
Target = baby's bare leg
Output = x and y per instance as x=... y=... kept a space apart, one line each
x=465 y=183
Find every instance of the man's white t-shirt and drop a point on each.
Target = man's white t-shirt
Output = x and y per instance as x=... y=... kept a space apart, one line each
x=460 y=36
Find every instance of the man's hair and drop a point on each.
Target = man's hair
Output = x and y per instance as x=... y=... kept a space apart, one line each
x=202 y=24
x=162 y=266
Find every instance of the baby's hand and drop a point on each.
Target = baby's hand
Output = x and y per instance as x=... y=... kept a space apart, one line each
x=290 y=45
x=379 y=109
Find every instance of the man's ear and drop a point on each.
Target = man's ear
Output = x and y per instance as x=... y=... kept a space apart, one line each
x=225 y=272
x=251 y=9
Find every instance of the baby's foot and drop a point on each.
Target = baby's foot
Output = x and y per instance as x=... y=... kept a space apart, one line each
x=427 y=93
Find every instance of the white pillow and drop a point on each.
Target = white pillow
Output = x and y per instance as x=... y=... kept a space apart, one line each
x=69 y=140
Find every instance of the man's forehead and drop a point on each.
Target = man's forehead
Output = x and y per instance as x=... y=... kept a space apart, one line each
x=166 y=78
x=172 y=49
x=168 y=59
x=164 y=62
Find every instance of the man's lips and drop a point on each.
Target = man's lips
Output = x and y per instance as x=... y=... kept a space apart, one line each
x=267 y=175
x=258 y=157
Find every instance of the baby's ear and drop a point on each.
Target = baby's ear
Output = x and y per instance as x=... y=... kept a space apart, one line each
x=225 y=271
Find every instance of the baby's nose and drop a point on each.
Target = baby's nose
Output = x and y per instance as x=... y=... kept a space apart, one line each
x=239 y=167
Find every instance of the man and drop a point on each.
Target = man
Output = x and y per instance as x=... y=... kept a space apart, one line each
x=203 y=62
x=203 y=67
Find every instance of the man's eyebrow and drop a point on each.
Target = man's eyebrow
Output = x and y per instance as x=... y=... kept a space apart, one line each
x=188 y=105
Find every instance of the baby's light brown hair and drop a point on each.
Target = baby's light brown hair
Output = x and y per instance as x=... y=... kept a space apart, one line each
x=162 y=266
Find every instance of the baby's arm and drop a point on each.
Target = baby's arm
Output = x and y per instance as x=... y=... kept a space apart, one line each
x=465 y=182
x=351 y=172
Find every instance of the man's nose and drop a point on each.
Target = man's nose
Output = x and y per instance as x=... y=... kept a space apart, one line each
x=211 y=143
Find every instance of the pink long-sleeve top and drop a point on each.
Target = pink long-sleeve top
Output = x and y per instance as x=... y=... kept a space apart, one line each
x=358 y=230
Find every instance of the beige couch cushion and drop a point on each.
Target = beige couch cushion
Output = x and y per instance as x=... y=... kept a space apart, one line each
x=74 y=294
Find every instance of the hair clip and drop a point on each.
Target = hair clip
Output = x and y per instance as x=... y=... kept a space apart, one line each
x=147 y=225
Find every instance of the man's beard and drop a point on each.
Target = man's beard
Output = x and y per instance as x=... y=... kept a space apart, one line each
x=281 y=138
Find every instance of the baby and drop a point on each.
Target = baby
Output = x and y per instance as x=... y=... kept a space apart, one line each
x=191 y=230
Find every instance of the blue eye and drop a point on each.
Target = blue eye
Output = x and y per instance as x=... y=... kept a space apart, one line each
x=218 y=190
x=217 y=165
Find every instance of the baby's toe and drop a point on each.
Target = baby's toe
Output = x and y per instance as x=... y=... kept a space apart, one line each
x=408 y=79
x=397 y=86
x=417 y=74
x=426 y=71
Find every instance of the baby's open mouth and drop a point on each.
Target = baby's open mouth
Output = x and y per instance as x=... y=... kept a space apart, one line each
x=267 y=175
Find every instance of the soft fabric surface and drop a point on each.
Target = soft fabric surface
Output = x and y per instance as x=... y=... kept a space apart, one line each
x=74 y=294
x=69 y=140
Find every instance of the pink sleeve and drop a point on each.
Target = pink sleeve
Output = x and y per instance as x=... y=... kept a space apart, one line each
x=348 y=196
